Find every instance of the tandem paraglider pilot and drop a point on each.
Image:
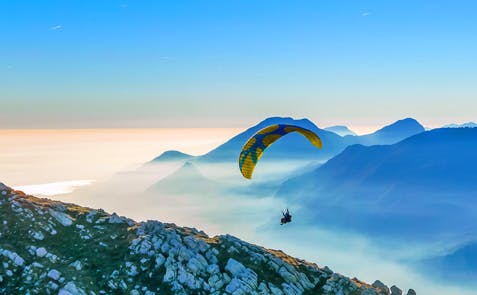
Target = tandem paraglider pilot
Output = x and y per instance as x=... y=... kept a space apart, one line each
x=252 y=150
x=286 y=217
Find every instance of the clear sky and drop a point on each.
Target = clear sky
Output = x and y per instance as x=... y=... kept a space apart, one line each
x=82 y=63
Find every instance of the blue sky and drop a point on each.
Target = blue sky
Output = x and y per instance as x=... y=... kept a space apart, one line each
x=231 y=63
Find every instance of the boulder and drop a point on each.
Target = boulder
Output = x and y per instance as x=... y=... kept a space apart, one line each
x=395 y=290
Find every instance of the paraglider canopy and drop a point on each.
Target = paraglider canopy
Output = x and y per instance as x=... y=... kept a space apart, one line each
x=256 y=145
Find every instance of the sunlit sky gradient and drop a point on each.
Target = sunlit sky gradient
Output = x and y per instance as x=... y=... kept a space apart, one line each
x=82 y=64
x=57 y=157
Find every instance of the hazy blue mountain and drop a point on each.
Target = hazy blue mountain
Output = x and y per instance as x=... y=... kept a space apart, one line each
x=464 y=125
x=294 y=151
x=296 y=146
x=187 y=179
x=391 y=134
x=462 y=261
x=172 y=155
x=340 y=130
x=421 y=186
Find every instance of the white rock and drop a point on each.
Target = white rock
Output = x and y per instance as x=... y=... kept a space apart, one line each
x=215 y=281
x=290 y=289
x=71 y=289
x=187 y=279
x=195 y=266
x=61 y=217
x=287 y=276
x=17 y=259
x=233 y=286
x=77 y=265
x=40 y=252
x=54 y=274
x=160 y=260
x=90 y=216
x=263 y=288
x=234 y=267
x=115 y=219
x=170 y=275
x=395 y=291
x=38 y=235
x=52 y=286
x=185 y=254
x=274 y=289
x=213 y=268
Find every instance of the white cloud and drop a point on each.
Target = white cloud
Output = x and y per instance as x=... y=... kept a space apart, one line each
x=57 y=27
x=365 y=13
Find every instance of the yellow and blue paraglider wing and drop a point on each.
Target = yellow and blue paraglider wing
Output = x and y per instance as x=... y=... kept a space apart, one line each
x=256 y=145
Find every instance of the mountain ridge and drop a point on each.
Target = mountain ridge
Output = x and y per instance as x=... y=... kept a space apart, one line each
x=171 y=155
x=341 y=130
x=463 y=125
x=51 y=247
x=333 y=143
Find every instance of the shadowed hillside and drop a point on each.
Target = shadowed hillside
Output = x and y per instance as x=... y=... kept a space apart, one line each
x=422 y=186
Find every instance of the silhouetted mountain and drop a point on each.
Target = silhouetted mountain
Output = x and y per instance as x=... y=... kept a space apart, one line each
x=340 y=130
x=187 y=179
x=296 y=146
x=464 y=125
x=393 y=133
x=462 y=261
x=171 y=156
x=294 y=149
x=423 y=185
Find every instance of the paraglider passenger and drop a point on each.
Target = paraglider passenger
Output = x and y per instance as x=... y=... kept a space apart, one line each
x=286 y=217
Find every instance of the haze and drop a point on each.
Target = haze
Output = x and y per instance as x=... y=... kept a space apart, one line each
x=30 y=157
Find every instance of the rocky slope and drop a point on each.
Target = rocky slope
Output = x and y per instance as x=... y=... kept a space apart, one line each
x=49 y=247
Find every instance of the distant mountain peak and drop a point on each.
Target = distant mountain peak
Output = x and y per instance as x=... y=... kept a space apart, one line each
x=341 y=130
x=285 y=120
x=229 y=150
x=172 y=155
x=393 y=133
x=463 y=125
x=406 y=124
x=187 y=174
x=187 y=170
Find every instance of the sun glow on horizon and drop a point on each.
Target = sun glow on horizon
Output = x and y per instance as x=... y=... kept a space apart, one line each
x=53 y=188
x=30 y=156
